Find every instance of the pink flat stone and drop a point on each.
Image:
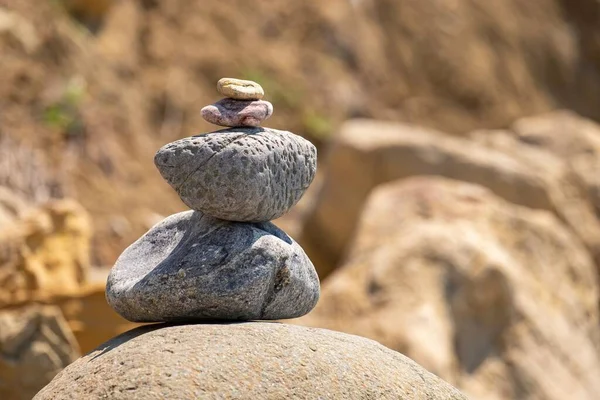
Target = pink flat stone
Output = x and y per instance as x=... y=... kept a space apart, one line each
x=232 y=113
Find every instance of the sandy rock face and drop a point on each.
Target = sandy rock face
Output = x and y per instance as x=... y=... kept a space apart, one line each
x=498 y=299
x=570 y=137
x=368 y=153
x=573 y=140
x=44 y=258
x=35 y=344
x=239 y=174
x=248 y=360
x=44 y=252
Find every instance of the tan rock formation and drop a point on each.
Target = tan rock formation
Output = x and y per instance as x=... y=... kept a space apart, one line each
x=563 y=133
x=250 y=360
x=35 y=344
x=367 y=153
x=44 y=259
x=498 y=299
x=45 y=252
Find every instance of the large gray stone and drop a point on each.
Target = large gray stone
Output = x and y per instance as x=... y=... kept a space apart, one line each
x=195 y=267
x=239 y=174
x=244 y=361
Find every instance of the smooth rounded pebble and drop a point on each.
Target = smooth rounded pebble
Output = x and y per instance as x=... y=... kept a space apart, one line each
x=244 y=361
x=232 y=113
x=241 y=174
x=240 y=89
x=193 y=267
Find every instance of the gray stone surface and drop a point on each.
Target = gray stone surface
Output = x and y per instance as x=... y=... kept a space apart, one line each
x=231 y=112
x=239 y=174
x=195 y=267
x=244 y=361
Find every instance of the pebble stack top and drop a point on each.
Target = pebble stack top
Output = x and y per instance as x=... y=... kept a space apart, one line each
x=242 y=105
x=224 y=259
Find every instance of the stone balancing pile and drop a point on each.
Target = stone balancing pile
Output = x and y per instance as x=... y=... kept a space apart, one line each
x=224 y=260
x=200 y=271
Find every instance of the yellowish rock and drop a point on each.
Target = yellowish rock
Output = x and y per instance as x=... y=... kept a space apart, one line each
x=240 y=89
x=44 y=252
x=36 y=344
x=44 y=259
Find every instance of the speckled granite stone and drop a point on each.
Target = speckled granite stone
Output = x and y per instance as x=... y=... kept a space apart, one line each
x=194 y=267
x=239 y=174
x=252 y=360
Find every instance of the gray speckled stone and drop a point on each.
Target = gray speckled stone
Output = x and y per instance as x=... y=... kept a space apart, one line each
x=239 y=174
x=194 y=267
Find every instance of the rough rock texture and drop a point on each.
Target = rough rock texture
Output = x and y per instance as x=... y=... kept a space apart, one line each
x=498 y=299
x=230 y=112
x=570 y=137
x=240 y=174
x=245 y=361
x=193 y=267
x=576 y=142
x=44 y=258
x=35 y=344
x=367 y=153
x=240 y=89
x=45 y=251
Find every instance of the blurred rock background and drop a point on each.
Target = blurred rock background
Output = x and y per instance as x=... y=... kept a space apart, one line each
x=456 y=217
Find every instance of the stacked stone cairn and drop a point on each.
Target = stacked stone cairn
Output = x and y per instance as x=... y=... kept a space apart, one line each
x=224 y=259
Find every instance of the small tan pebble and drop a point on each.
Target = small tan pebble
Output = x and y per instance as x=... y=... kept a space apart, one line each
x=239 y=89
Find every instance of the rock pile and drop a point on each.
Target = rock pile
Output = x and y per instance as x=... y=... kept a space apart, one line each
x=242 y=106
x=224 y=259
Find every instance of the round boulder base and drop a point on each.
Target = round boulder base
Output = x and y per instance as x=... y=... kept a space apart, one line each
x=192 y=267
x=244 y=361
x=240 y=174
